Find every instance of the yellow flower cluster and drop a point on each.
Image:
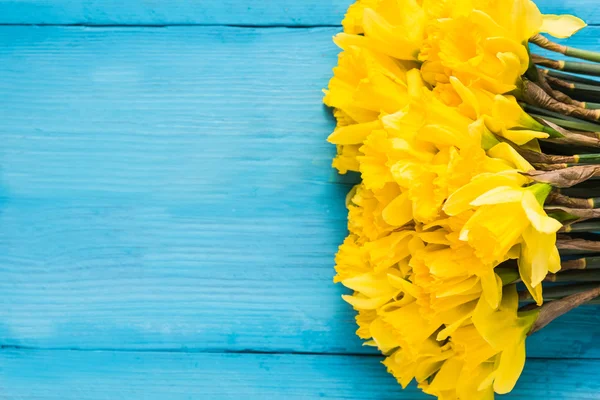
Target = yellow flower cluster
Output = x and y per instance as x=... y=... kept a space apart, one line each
x=420 y=98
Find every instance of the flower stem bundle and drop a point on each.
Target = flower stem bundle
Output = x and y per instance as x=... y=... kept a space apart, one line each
x=476 y=220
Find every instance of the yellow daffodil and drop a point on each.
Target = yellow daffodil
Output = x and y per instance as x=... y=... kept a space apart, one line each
x=366 y=83
x=501 y=113
x=489 y=355
x=505 y=329
x=372 y=290
x=504 y=217
x=420 y=364
x=353 y=20
x=351 y=260
x=392 y=27
x=346 y=159
x=474 y=48
x=365 y=211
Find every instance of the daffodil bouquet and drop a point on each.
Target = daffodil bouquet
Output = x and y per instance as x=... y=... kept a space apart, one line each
x=474 y=223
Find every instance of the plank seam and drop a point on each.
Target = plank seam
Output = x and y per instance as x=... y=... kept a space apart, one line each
x=190 y=351
x=259 y=26
x=209 y=351
x=251 y=26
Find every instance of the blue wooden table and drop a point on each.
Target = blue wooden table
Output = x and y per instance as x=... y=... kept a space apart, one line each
x=168 y=214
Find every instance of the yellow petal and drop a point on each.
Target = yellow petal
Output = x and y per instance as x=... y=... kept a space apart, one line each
x=466 y=95
x=498 y=195
x=447 y=376
x=510 y=367
x=437 y=237
x=492 y=288
x=522 y=136
x=404 y=285
x=526 y=266
x=506 y=152
x=562 y=26
x=346 y=159
x=501 y=45
x=365 y=303
x=554 y=260
x=443 y=135
x=538 y=255
x=415 y=83
x=465 y=311
x=459 y=286
x=369 y=284
x=537 y=216
x=389 y=39
x=352 y=22
x=353 y=134
x=399 y=211
x=383 y=336
x=461 y=199
x=345 y=41
x=534 y=145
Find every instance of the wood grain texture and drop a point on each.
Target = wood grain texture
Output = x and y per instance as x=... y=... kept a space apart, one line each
x=170 y=189
x=187 y=12
x=215 y=12
x=73 y=375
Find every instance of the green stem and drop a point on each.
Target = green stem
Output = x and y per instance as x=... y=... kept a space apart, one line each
x=583 y=227
x=592 y=275
x=568 y=66
x=584 y=193
x=580 y=68
x=570 y=124
x=559 y=198
x=533 y=94
x=565 y=252
x=534 y=110
x=547 y=44
x=582 y=54
x=581 y=263
x=569 y=77
x=554 y=309
x=591 y=106
x=558 y=292
x=586 y=158
x=579 y=91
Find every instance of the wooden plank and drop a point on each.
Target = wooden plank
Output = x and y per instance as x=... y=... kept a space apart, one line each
x=186 y=12
x=215 y=12
x=170 y=188
x=77 y=375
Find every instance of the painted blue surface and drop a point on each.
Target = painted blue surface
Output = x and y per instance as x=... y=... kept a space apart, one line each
x=166 y=197
x=78 y=375
x=215 y=12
